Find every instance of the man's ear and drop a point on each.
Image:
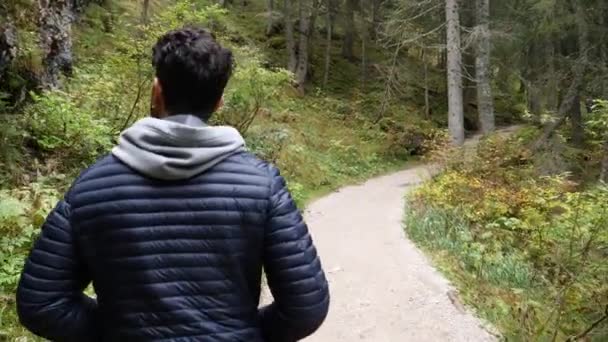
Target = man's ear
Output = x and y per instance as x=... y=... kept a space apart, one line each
x=219 y=104
x=157 y=101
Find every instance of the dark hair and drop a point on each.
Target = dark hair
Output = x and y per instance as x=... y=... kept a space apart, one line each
x=193 y=70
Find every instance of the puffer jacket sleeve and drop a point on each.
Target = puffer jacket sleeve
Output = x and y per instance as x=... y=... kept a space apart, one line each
x=293 y=270
x=50 y=298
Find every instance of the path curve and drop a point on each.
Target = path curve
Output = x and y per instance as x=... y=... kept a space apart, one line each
x=382 y=287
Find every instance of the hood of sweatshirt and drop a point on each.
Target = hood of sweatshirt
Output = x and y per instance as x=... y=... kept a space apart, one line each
x=177 y=147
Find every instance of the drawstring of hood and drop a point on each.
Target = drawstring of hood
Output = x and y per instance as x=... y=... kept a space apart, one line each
x=177 y=147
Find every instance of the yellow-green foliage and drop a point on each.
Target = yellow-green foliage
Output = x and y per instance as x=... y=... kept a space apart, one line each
x=56 y=123
x=528 y=251
x=22 y=212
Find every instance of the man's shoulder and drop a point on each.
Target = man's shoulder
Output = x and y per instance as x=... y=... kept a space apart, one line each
x=248 y=162
x=108 y=170
x=105 y=166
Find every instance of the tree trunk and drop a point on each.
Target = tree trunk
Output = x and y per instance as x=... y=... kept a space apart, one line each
x=270 y=24
x=576 y=118
x=302 y=69
x=578 y=133
x=427 y=103
x=578 y=72
x=552 y=92
x=55 y=40
x=307 y=19
x=375 y=22
x=291 y=42
x=8 y=47
x=485 y=101
x=603 y=46
x=529 y=78
x=454 y=72
x=564 y=108
x=604 y=171
x=144 y=11
x=349 y=31
x=469 y=84
x=442 y=63
x=363 y=56
x=329 y=43
x=533 y=95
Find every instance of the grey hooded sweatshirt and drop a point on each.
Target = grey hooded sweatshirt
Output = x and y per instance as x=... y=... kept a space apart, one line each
x=177 y=147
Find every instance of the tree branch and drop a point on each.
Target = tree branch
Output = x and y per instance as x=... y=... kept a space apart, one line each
x=590 y=328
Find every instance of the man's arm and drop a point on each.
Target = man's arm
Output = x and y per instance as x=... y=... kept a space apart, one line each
x=293 y=270
x=50 y=298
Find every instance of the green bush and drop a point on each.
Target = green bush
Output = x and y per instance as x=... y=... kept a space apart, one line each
x=56 y=125
x=22 y=212
x=11 y=140
x=268 y=143
x=252 y=91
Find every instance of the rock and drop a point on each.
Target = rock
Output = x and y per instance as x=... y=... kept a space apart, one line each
x=455 y=299
x=55 y=40
x=8 y=47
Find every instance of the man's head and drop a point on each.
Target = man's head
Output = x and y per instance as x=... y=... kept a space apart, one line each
x=192 y=70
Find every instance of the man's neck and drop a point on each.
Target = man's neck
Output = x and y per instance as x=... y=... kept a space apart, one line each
x=186 y=119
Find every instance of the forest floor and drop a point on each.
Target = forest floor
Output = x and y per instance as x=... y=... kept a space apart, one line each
x=382 y=286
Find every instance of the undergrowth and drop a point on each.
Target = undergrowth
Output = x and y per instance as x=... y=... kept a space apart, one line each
x=526 y=248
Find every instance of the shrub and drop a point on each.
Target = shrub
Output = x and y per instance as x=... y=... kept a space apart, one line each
x=268 y=143
x=407 y=139
x=22 y=212
x=56 y=125
x=11 y=140
x=252 y=90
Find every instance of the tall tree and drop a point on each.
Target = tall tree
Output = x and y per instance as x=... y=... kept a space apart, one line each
x=329 y=28
x=289 y=35
x=145 y=11
x=576 y=117
x=349 y=30
x=298 y=44
x=364 y=43
x=485 y=102
x=578 y=68
x=375 y=20
x=468 y=11
x=427 y=102
x=270 y=23
x=604 y=169
x=308 y=12
x=454 y=73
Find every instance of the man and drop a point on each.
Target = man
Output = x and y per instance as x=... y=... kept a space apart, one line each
x=174 y=227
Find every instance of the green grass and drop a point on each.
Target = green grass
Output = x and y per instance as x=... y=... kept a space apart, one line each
x=503 y=288
x=447 y=239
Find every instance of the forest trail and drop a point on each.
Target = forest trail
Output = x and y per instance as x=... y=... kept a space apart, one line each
x=383 y=288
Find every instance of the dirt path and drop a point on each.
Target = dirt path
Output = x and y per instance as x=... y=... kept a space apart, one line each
x=382 y=287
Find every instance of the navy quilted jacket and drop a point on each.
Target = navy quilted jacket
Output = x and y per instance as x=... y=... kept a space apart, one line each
x=174 y=260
